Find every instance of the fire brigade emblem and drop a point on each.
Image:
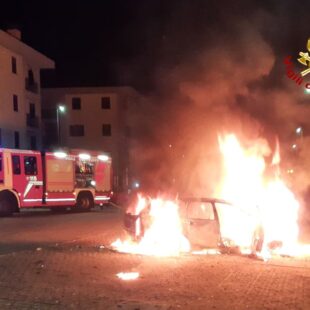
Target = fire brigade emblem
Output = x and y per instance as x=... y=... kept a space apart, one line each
x=32 y=181
x=305 y=59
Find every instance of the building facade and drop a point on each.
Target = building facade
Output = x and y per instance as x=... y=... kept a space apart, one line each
x=20 y=96
x=91 y=118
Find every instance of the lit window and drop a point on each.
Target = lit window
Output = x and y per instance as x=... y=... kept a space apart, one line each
x=30 y=164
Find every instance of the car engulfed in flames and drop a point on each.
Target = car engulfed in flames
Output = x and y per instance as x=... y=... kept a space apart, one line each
x=261 y=217
x=205 y=223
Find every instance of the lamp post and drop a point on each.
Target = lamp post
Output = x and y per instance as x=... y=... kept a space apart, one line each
x=300 y=134
x=299 y=131
x=60 y=109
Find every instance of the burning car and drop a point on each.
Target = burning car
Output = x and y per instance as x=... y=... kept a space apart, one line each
x=207 y=224
x=263 y=217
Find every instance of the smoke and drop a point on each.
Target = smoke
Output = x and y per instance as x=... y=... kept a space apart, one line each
x=228 y=85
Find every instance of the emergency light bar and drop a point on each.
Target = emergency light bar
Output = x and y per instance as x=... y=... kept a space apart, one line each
x=60 y=154
x=84 y=156
x=103 y=157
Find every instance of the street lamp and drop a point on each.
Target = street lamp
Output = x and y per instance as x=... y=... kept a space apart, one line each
x=61 y=109
x=299 y=131
x=136 y=184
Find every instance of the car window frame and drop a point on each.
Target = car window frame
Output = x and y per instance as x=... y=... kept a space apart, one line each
x=214 y=218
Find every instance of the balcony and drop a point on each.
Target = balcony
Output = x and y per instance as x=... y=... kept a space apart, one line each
x=32 y=121
x=31 y=85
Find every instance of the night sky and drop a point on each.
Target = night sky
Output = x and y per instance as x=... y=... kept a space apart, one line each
x=205 y=67
x=128 y=42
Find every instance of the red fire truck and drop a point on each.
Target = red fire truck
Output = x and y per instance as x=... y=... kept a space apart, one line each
x=53 y=180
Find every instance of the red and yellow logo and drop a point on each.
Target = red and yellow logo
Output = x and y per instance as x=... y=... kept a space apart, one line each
x=304 y=59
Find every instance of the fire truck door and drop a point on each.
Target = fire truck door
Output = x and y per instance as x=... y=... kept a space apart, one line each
x=28 y=179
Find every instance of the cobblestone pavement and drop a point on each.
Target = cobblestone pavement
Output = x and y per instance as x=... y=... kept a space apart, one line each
x=54 y=261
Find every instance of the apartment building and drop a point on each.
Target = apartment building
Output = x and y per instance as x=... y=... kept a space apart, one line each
x=20 y=98
x=91 y=118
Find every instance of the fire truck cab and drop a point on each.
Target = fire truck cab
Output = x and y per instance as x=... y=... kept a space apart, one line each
x=53 y=180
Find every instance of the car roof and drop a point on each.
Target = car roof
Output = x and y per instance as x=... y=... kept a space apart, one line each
x=204 y=199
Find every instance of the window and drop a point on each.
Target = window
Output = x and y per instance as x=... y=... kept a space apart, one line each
x=76 y=130
x=106 y=130
x=14 y=65
x=16 y=164
x=84 y=167
x=16 y=139
x=105 y=103
x=30 y=77
x=30 y=164
x=200 y=210
x=33 y=142
x=15 y=103
x=76 y=103
x=32 y=110
x=84 y=174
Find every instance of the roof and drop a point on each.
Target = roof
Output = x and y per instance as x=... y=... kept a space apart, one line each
x=32 y=56
x=204 y=199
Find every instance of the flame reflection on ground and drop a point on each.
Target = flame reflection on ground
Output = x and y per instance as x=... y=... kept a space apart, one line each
x=127 y=276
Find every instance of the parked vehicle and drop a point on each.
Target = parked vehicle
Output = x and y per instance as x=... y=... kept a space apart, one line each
x=53 y=180
x=209 y=223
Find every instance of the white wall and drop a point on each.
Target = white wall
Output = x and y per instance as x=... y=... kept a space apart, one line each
x=14 y=84
x=92 y=116
x=11 y=84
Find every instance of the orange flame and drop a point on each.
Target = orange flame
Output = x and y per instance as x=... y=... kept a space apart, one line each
x=266 y=206
x=163 y=237
x=268 y=200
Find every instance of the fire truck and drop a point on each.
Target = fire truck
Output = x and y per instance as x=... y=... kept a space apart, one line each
x=55 y=180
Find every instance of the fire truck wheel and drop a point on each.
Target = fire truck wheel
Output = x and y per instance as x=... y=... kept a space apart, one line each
x=7 y=204
x=84 y=202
